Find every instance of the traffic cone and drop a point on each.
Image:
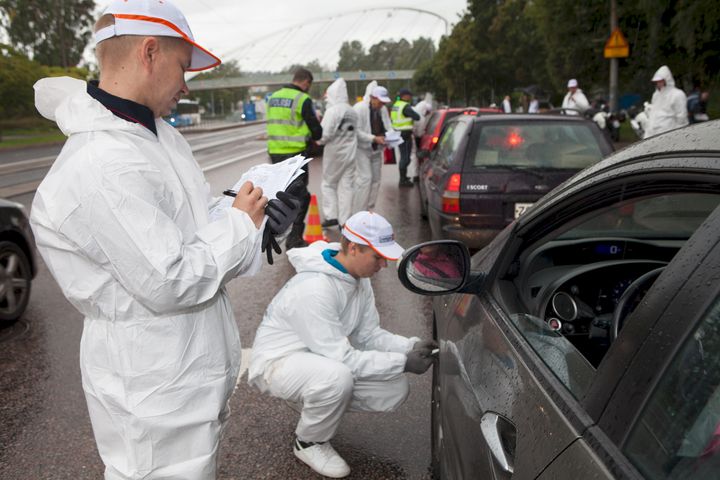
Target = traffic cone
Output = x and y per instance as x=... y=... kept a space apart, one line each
x=313 y=229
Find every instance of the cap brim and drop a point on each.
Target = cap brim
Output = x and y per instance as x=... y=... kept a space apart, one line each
x=384 y=99
x=389 y=252
x=656 y=79
x=201 y=58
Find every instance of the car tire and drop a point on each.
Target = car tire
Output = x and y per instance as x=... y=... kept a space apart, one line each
x=15 y=282
x=435 y=447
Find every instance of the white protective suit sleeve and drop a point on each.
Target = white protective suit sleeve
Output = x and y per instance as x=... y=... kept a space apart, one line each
x=321 y=331
x=364 y=131
x=370 y=336
x=120 y=228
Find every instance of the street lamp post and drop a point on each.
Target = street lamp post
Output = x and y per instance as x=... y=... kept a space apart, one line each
x=613 y=61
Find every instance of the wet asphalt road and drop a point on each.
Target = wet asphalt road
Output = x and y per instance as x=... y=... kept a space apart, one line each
x=46 y=431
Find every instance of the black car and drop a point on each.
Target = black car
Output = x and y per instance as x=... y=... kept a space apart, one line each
x=17 y=261
x=488 y=169
x=584 y=340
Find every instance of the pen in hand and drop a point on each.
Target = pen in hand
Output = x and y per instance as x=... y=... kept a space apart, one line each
x=230 y=193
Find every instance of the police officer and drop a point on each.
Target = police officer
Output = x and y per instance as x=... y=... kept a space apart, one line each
x=402 y=116
x=291 y=122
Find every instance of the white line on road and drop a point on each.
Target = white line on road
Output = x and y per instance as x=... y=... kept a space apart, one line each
x=233 y=160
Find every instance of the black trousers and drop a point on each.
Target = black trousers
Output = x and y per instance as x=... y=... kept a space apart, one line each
x=299 y=189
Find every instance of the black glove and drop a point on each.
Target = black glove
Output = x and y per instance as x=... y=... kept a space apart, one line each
x=418 y=361
x=428 y=345
x=281 y=214
x=269 y=244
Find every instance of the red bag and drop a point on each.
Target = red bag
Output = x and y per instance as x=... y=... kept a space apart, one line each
x=389 y=156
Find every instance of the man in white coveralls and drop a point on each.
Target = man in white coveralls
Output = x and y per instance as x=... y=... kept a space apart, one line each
x=121 y=221
x=320 y=344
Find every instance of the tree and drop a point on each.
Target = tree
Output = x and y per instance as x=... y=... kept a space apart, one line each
x=51 y=32
x=352 y=57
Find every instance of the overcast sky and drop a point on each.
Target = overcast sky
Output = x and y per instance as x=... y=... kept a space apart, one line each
x=272 y=34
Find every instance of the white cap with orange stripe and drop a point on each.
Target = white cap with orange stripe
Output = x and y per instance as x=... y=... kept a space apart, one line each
x=154 y=18
x=369 y=228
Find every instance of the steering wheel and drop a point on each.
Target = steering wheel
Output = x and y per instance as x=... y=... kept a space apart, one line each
x=625 y=305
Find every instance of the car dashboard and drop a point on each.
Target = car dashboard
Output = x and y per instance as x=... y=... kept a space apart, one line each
x=577 y=286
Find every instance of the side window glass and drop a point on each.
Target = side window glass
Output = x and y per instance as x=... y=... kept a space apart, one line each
x=450 y=141
x=575 y=288
x=678 y=434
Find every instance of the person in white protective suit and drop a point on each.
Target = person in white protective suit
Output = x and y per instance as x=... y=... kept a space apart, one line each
x=122 y=222
x=339 y=126
x=423 y=108
x=320 y=345
x=575 y=100
x=373 y=123
x=668 y=105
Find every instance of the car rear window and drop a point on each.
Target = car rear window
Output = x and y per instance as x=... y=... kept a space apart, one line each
x=534 y=145
x=432 y=123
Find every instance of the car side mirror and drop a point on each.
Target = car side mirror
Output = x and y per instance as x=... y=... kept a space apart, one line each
x=435 y=268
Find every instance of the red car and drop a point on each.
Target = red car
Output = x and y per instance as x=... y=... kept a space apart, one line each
x=437 y=121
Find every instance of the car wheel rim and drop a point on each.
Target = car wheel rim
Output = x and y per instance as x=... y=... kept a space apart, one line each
x=14 y=282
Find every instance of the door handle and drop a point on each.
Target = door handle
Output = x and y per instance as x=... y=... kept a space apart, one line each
x=500 y=436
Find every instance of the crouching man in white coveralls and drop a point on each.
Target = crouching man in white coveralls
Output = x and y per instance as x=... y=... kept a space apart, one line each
x=320 y=344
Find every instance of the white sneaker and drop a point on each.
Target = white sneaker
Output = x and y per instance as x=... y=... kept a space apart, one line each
x=322 y=458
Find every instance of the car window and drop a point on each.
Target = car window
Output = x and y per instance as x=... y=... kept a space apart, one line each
x=572 y=282
x=432 y=123
x=678 y=433
x=450 y=141
x=536 y=145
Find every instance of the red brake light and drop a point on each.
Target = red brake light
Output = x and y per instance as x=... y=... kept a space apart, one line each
x=453 y=184
x=451 y=195
x=514 y=140
x=435 y=140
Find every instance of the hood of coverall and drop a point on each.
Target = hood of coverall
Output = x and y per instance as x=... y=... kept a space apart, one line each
x=665 y=74
x=310 y=259
x=63 y=100
x=337 y=93
x=368 y=90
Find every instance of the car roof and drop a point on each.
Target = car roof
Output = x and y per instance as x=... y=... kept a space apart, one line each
x=695 y=139
x=530 y=117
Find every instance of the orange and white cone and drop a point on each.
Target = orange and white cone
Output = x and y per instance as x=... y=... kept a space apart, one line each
x=313 y=228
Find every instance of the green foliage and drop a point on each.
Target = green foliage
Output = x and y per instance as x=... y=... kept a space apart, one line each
x=385 y=55
x=51 y=32
x=501 y=46
x=17 y=76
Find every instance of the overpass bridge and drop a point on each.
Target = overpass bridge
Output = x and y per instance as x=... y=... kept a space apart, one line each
x=275 y=79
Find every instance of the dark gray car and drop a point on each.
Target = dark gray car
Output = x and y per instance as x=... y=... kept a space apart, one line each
x=584 y=341
x=17 y=261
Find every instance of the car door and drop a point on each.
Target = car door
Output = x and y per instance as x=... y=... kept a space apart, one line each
x=516 y=400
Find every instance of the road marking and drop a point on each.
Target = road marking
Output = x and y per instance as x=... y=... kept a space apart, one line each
x=19 y=189
x=233 y=160
x=28 y=187
x=26 y=165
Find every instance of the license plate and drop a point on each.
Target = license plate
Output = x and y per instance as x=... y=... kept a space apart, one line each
x=521 y=208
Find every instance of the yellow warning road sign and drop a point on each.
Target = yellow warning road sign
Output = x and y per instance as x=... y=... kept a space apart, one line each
x=617 y=45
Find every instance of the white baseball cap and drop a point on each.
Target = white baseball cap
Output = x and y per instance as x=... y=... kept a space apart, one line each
x=572 y=83
x=154 y=18
x=381 y=94
x=371 y=229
